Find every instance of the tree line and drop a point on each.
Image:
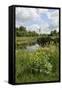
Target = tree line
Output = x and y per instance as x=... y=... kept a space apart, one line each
x=22 y=31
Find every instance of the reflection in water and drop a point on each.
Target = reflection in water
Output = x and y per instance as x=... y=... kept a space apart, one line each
x=32 y=47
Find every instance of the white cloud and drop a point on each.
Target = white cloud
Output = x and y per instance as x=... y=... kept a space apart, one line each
x=26 y=14
x=54 y=17
x=34 y=27
x=57 y=29
x=43 y=28
x=43 y=11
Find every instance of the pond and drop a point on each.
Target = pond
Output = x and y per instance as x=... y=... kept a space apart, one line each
x=33 y=47
x=30 y=48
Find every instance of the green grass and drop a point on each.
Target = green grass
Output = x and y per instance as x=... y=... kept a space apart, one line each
x=41 y=65
x=22 y=42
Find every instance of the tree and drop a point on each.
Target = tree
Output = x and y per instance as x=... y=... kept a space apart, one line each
x=22 y=28
x=53 y=33
x=21 y=31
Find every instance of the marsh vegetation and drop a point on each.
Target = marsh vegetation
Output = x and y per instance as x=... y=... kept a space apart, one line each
x=37 y=56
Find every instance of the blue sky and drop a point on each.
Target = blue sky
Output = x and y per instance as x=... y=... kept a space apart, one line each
x=34 y=19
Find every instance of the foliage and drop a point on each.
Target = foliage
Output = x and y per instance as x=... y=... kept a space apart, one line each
x=22 y=42
x=54 y=33
x=47 y=40
x=41 y=65
x=21 y=31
